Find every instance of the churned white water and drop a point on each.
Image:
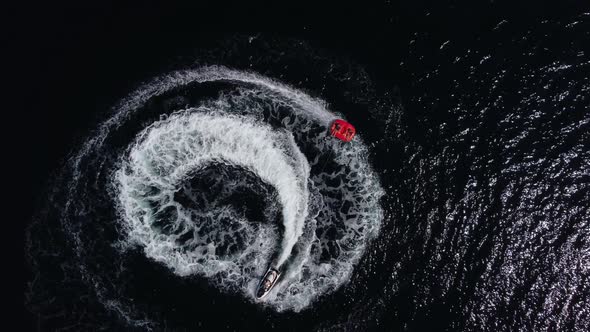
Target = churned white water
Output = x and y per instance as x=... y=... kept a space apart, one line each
x=169 y=151
x=262 y=134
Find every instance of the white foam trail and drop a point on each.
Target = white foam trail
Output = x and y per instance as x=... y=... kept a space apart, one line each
x=170 y=150
x=150 y=171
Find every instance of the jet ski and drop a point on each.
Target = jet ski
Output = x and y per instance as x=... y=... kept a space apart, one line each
x=268 y=282
x=342 y=130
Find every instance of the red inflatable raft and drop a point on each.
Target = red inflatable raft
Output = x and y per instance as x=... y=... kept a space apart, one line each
x=342 y=130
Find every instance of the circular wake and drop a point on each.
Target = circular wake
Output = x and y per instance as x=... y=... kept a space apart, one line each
x=169 y=152
x=216 y=174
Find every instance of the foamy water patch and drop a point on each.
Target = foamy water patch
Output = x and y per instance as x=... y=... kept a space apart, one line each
x=167 y=152
x=179 y=183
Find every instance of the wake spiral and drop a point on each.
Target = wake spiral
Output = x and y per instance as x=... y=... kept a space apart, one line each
x=214 y=174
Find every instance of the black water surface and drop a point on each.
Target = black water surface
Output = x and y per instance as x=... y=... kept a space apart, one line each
x=477 y=117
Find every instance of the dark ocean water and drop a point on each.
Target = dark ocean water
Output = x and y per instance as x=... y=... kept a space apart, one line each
x=480 y=148
x=496 y=167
